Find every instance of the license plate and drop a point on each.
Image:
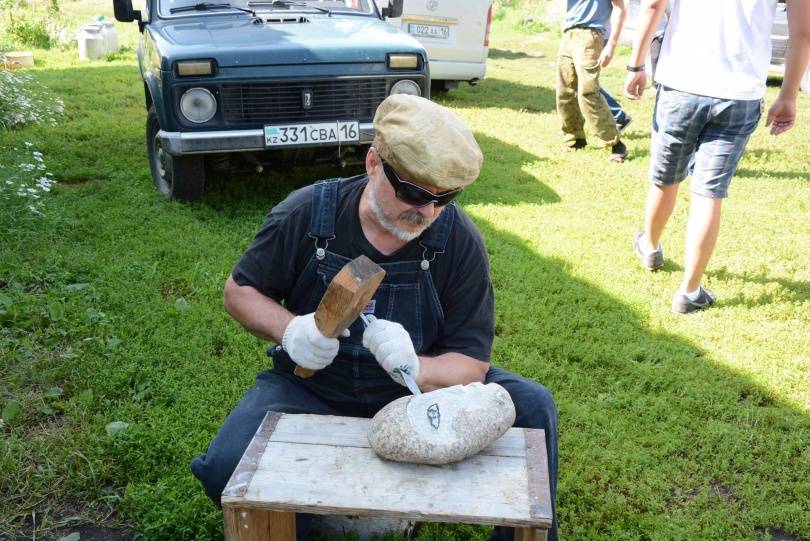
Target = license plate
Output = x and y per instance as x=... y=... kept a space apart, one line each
x=429 y=30
x=307 y=134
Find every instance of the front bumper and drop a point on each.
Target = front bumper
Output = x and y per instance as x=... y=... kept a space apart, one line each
x=181 y=143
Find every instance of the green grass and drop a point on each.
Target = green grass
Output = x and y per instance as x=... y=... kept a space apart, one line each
x=671 y=427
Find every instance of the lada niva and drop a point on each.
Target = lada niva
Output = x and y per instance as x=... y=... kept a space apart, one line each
x=250 y=84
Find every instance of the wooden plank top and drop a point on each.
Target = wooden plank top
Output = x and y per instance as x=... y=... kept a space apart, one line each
x=324 y=465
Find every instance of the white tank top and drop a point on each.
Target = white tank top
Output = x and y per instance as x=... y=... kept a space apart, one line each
x=718 y=48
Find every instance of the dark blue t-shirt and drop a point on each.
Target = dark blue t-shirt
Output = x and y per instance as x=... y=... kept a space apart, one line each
x=460 y=275
x=589 y=14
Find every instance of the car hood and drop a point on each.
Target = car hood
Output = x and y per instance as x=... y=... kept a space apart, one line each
x=238 y=42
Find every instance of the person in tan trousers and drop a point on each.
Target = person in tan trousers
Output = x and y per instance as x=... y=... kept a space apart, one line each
x=590 y=34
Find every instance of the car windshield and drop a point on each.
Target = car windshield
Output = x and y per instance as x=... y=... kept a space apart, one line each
x=185 y=7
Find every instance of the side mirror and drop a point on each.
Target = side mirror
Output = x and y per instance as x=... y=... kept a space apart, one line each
x=124 y=12
x=393 y=10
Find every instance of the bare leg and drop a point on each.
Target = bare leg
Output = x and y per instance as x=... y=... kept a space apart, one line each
x=660 y=204
x=701 y=236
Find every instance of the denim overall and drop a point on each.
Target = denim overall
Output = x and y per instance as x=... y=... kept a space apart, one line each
x=355 y=384
x=355 y=381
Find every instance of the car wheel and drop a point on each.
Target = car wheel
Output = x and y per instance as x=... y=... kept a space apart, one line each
x=438 y=87
x=176 y=177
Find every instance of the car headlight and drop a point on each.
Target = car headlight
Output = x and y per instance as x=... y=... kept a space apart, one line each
x=188 y=68
x=406 y=86
x=198 y=105
x=403 y=61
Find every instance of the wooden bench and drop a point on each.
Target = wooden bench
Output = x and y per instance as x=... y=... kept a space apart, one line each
x=324 y=465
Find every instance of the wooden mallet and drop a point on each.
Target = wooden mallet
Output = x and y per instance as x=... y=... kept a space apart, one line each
x=348 y=293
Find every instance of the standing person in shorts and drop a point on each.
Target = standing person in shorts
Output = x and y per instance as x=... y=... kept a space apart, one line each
x=711 y=74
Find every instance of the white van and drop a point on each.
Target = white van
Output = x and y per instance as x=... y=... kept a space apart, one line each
x=455 y=34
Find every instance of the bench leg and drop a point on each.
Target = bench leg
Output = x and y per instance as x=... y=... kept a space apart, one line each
x=258 y=525
x=530 y=534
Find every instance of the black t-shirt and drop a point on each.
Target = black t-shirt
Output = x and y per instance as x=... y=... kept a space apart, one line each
x=282 y=249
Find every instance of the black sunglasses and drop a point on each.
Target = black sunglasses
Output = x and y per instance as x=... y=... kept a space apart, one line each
x=414 y=195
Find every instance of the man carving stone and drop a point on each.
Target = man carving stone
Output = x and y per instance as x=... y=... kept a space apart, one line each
x=434 y=308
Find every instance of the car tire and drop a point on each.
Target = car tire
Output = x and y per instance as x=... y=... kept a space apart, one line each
x=438 y=87
x=176 y=177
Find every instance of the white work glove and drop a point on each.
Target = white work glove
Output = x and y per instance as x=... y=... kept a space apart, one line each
x=305 y=344
x=391 y=345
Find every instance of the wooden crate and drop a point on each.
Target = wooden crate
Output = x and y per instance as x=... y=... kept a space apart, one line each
x=324 y=465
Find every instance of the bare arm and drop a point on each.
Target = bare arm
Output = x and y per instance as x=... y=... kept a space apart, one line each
x=782 y=114
x=449 y=369
x=649 y=17
x=617 y=18
x=259 y=314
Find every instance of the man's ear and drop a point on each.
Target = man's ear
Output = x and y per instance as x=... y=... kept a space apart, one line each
x=372 y=160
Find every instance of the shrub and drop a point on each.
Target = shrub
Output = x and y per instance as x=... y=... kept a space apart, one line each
x=29 y=32
x=31 y=24
x=530 y=16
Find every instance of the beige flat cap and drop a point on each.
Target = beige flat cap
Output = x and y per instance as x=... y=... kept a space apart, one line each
x=426 y=143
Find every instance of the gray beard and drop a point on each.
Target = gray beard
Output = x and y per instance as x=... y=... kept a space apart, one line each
x=411 y=217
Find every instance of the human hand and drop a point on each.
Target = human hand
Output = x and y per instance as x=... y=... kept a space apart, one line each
x=391 y=345
x=306 y=345
x=606 y=55
x=634 y=84
x=781 y=115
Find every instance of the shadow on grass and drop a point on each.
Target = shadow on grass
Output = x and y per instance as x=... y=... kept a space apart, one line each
x=746 y=172
x=762 y=153
x=503 y=180
x=238 y=193
x=505 y=54
x=635 y=133
x=645 y=415
x=492 y=92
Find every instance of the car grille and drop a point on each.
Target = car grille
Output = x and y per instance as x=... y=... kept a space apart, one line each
x=281 y=102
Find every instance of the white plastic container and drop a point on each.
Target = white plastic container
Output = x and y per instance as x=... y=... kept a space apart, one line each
x=110 y=37
x=19 y=59
x=91 y=42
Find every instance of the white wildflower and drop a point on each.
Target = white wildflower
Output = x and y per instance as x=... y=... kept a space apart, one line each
x=25 y=101
x=33 y=181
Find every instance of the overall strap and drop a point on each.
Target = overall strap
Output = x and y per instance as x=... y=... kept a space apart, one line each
x=435 y=238
x=324 y=208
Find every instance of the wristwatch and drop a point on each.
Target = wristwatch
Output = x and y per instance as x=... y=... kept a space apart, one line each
x=635 y=69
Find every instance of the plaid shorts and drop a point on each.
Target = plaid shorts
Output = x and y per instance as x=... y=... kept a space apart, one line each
x=701 y=136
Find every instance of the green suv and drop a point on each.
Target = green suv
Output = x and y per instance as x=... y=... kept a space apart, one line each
x=247 y=85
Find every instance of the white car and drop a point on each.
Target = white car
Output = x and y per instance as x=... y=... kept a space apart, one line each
x=455 y=34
